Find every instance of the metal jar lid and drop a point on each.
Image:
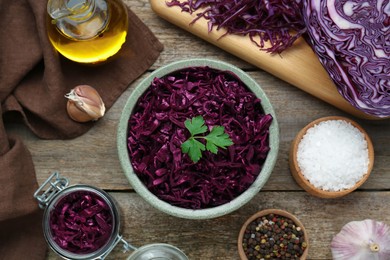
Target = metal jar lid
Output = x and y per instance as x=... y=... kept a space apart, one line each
x=158 y=252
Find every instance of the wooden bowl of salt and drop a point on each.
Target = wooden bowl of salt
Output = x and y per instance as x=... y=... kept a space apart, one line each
x=331 y=157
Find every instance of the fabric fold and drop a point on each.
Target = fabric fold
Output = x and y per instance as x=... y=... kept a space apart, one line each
x=33 y=81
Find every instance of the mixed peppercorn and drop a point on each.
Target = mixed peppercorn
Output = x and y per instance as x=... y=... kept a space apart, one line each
x=273 y=237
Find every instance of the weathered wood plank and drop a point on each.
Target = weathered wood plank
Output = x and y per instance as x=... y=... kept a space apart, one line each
x=92 y=158
x=217 y=238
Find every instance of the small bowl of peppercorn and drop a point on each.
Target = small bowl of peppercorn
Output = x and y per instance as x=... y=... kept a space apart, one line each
x=270 y=234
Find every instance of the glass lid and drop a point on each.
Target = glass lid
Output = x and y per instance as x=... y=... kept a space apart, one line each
x=158 y=252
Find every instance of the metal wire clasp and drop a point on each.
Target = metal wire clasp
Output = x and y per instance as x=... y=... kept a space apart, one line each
x=126 y=247
x=54 y=184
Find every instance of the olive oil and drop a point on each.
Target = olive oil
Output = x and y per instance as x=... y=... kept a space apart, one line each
x=95 y=48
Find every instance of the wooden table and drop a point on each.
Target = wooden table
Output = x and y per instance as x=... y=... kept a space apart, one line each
x=92 y=159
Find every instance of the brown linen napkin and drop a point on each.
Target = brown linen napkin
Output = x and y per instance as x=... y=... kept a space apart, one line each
x=33 y=82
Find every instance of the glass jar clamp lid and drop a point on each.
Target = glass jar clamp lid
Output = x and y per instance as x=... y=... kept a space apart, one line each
x=79 y=221
x=83 y=222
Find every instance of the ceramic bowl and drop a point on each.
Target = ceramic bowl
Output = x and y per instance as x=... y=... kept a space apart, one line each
x=300 y=178
x=217 y=211
x=266 y=212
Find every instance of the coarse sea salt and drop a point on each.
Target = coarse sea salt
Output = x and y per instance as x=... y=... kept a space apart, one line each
x=333 y=155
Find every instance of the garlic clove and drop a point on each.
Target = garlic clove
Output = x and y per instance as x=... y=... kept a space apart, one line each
x=85 y=104
x=92 y=102
x=368 y=239
x=77 y=114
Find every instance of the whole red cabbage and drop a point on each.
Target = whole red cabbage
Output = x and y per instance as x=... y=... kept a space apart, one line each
x=352 y=41
x=81 y=222
x=278 y=22
x=156 y=132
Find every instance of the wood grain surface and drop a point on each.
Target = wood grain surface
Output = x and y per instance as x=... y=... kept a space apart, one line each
x=217 y=238
x=92 y=159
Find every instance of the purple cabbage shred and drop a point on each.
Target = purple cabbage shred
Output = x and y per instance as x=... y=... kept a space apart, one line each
x=156 y=132
x=81 y=222
x=277 y=22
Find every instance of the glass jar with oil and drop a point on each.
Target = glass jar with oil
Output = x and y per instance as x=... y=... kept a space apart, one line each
x=87 y=31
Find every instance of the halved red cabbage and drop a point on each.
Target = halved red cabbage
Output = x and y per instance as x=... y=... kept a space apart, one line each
x=81 y=222
x=278 y=22
x=352 y=41
x=156 y=132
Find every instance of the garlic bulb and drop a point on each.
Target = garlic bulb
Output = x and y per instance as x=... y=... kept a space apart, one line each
x=85 y=104
x=362 y=240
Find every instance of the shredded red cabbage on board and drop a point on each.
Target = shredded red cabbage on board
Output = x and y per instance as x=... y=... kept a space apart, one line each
x=81 y=222
x=278 y=22
x=352 y=41
x=157 y=130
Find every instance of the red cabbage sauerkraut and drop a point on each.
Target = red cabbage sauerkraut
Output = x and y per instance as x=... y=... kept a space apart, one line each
x=156 y=132
x=81 y=222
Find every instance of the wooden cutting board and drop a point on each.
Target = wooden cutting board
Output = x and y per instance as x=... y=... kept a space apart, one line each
x=298 y=65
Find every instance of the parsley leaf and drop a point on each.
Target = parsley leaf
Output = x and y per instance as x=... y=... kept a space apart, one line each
x=216 y=138
x=196 y=125
x=194 y=149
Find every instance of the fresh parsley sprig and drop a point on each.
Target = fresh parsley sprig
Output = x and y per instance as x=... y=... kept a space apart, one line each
x=216 y=138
